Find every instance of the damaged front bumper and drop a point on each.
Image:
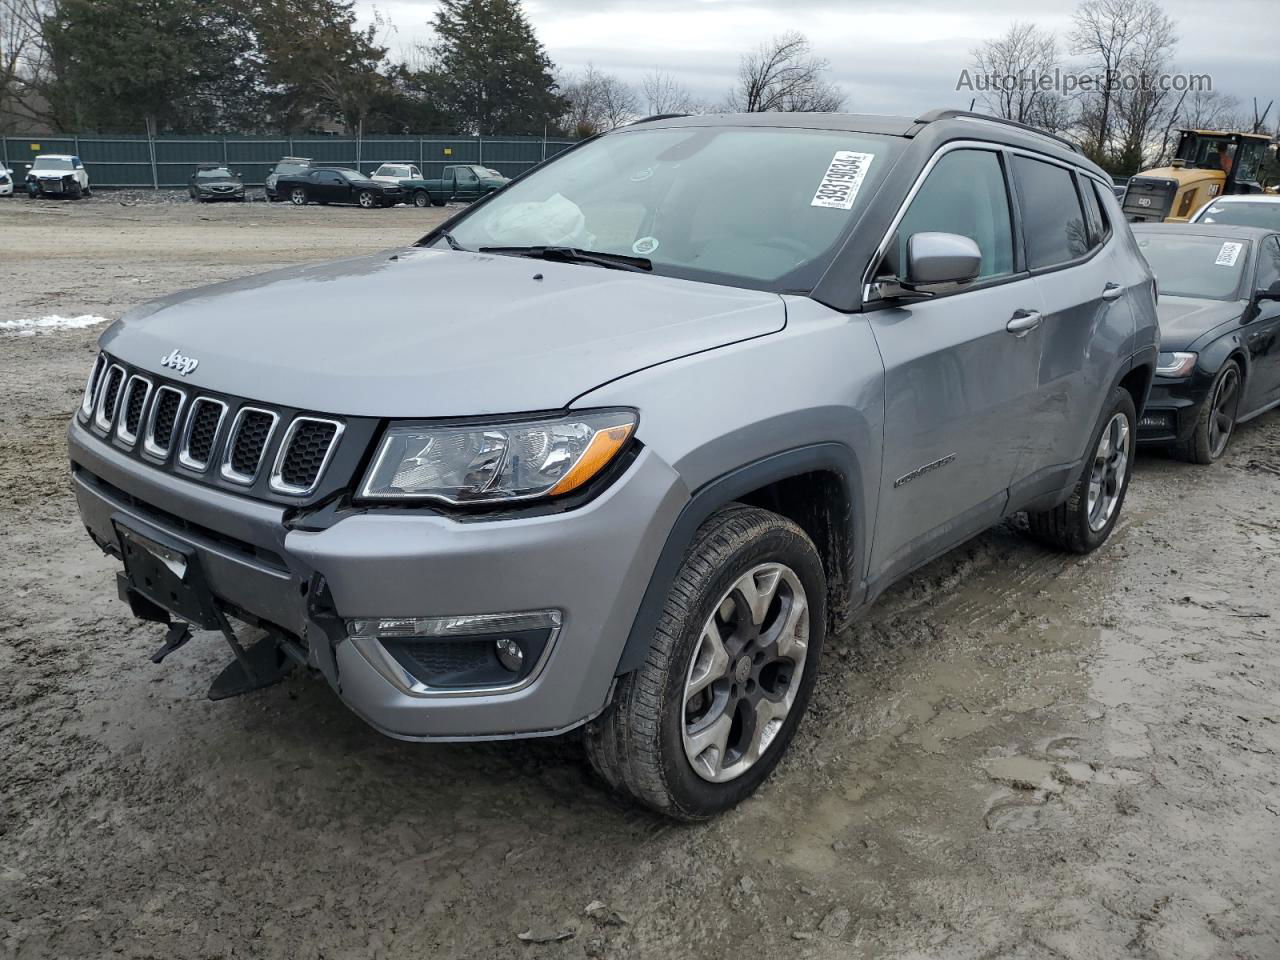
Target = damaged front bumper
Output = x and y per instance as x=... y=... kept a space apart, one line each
x=380 y=599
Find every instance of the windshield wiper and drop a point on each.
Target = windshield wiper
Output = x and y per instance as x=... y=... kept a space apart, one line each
x=612 y=261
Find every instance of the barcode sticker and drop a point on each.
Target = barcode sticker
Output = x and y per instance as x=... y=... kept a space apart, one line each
x=1228 y=254
x=843 y=179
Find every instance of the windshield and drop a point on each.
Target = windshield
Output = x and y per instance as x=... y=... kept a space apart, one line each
x=759 y=207
x=389 y=171
x=1185 y=266
x=1243 y=215
x=50 y=163
x=485 y=172
x=217 y=173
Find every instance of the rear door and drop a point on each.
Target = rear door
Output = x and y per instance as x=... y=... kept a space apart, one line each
x=1086 y=275
x=1262 y=332
x=960 y=369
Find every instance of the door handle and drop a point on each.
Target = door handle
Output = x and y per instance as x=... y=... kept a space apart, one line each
x=1112 y=291
x=1023 y=322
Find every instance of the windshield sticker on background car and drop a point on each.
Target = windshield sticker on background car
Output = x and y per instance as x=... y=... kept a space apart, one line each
x=644 y=246
x=843 y=179
x=1228 y=254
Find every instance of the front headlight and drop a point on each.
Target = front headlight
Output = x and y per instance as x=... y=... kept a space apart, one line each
x=1175 y=364
x=495 y=463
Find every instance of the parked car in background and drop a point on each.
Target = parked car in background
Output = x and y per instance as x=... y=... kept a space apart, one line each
x=617 y=447
x=286 y=167
x=337 y=185
x=6 y=181
x=463 y=182
x=1250 y=210
x=1219 y=310
x=57 y=175
x=215 y=181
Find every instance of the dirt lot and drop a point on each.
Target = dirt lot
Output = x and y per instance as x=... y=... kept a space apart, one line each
x=1014 y=755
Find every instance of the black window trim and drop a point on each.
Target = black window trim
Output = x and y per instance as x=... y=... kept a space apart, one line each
x=1075 y=171
x=871 y=301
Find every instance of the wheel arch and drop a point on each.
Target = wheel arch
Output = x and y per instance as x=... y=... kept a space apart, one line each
x=815 y=486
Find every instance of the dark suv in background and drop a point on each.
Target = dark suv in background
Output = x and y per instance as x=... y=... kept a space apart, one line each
x=286 y=167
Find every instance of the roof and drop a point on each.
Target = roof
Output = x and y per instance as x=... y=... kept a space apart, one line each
x=1219 y=230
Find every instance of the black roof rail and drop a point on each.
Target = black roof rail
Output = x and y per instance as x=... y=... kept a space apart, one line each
x=659 y=116
x=934 y=115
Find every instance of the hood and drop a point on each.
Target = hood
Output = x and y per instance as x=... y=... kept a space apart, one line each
x=1183 y=320
x=435 y=333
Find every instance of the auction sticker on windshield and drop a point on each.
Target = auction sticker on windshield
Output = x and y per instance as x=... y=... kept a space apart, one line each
x=1228 y=254
x=843 y=179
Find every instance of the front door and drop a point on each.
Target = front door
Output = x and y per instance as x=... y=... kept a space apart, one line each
x=960 y=370
x=468 y=184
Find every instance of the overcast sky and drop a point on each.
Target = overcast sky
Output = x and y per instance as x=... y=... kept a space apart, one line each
x=889 y=58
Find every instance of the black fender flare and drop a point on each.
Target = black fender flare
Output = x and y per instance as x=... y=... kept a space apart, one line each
x=725 y=489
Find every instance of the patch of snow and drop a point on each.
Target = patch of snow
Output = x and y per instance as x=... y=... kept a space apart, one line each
x=33 y=325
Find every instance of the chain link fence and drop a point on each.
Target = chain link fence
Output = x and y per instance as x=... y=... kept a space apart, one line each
x=168 y=161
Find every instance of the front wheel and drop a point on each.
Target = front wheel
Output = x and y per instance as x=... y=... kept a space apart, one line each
x=366 y=199
x=1216 y=420
x=1089 y=515
x=700 y=725
x=297 y=196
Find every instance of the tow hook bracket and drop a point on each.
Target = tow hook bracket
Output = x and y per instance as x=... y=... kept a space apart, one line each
x=262 y=665
x=179 y=633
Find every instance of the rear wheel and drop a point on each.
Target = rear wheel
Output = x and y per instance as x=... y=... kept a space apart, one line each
x=1216 y=420
x=421 y=199
x=297 y=196
x=700 y=725
x=1086 y=520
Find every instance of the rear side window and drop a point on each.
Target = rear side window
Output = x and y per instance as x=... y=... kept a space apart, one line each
x=964 y=193
x=1052 y=219
x=1095 y=218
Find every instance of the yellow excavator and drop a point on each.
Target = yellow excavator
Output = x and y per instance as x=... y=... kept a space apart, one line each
x=1207 y=164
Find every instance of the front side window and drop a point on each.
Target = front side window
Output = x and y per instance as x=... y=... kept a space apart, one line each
x=964 y=193
x=1207 y=267
x=1052 y=219
x=1269 y=264
x=762 y=207
x=466 y=175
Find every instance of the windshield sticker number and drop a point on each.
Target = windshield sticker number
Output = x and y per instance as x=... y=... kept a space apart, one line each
x=842 y=181
x=1228 y=254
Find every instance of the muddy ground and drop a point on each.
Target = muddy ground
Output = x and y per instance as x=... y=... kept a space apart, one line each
x=1015 y=754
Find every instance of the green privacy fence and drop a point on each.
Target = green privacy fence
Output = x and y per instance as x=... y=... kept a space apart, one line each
x=167 y=161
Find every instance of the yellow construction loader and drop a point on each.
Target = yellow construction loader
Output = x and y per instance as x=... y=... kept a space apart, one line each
x=1207 y=164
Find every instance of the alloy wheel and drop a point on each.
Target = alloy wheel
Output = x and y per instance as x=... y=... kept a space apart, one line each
x=1222 y=411
x=745 y=672
x=366 y=199
x=1110 y=466
x=298 y=196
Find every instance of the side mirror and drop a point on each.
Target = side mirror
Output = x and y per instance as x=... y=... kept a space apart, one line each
x=1269 y=293
x=936 y=259
x=28 y=166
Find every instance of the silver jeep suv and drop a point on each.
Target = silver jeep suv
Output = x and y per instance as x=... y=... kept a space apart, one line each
x=617 y=447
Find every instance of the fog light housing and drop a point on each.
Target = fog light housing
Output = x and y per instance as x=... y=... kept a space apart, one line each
x=461 y=655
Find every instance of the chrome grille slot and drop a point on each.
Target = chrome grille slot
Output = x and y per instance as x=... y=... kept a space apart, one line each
x=163 y=421
x=91 y=388
x=109 y=398
x=136 y=393
x=201 y=432
x=304 y=453
x=246 y=443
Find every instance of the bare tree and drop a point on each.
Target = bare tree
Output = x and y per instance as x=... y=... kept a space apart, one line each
x=1124 y=41
x=783 y=75
x=23 y=59
x=1013 y=63
x=663 y=93
x=597 y=101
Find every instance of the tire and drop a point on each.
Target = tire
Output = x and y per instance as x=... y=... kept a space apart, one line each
x=298 y=196
x=437 y=202
x=1075 y=526
x=644 y=745
x=1216 y=420
x=421 y=198
x=366 y=199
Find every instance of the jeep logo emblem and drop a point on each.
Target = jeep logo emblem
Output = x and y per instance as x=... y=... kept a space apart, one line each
x=176 y=361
